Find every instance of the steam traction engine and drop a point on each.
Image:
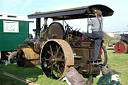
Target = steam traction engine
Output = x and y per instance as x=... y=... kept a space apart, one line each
x=122 y=45
x=57 y=47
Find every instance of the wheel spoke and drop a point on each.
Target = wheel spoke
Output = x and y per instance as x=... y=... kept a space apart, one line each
x=57 y=50
x=51 y=69
x=58 y=70
x=61 y=55
x=63 y=64
x=47 y=59
x=60 y=59
x=49 y=66
x=51 y=51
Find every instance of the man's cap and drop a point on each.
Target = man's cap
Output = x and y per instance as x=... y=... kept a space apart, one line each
x=98 y=12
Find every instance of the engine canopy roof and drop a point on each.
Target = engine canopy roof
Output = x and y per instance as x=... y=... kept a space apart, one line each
x=74 y=13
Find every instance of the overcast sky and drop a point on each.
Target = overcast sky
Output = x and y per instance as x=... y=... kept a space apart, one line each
x=117 y=22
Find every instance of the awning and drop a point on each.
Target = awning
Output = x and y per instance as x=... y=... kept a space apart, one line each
x=74 y=13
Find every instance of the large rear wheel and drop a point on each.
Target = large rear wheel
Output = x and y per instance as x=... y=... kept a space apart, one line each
x=54 y=61
x=104 y=56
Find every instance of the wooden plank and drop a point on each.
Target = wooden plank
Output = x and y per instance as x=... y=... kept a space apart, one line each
x=19 y=78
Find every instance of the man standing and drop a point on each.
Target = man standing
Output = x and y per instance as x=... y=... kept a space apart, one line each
x=97 y=32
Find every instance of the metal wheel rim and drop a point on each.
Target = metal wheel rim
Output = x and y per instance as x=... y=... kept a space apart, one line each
x=104 y=56
x=52 y=61
x=120 y=47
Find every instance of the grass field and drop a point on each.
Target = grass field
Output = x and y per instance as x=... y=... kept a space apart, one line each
x=118 y=62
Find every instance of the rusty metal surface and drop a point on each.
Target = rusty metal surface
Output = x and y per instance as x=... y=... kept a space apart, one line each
x=30 y=54
x=67 y=50
x=19 y=48
x=37 y=45
x=29 y=57
x=86 y=51
x=55 y=31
